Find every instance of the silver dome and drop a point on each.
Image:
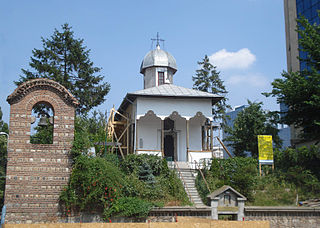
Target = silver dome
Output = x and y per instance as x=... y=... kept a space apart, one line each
x=158 y=57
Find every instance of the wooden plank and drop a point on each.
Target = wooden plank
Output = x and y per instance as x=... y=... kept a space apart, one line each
x=119 y=122
x=150 y=150
x=121 y=152
x=128 y=124
x=224 y=147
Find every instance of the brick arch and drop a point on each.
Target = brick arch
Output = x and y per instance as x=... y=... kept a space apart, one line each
x=36 y=173
x=43 y=99
x=41 y=84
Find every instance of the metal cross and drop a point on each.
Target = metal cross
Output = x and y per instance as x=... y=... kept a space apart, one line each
x=158 y=39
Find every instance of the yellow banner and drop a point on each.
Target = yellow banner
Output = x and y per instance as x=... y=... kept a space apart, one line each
x=265 y=148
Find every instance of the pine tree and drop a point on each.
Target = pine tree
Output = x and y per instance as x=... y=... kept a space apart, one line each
x=207 y=80
x=145 y=174
x=66 y=60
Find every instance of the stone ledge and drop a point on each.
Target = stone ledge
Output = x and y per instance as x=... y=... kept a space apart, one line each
x=281 y=209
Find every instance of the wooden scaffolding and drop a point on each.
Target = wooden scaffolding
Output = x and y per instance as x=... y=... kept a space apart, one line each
x=119 y=131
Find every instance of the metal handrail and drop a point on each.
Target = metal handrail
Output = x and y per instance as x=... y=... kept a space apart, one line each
x=184 y=182
x=205 y=181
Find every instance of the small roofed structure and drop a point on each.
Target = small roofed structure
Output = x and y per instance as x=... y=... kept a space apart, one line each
x=227 y=201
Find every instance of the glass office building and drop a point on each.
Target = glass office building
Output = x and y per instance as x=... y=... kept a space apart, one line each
x=309 y=9
x=293 y=9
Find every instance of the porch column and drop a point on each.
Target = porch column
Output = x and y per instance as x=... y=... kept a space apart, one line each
x=136 y=128
x=211 y=136
x=187 y=139
x=162 y=138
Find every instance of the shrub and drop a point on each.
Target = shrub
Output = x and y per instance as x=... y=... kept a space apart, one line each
x=238 y=172
x=129 y=207
x=99 y=185
x=94 y=185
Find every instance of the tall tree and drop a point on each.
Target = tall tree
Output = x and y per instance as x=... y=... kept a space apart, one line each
x=300 y=91
x=207 y=79
x=66 y=60
x=3 y=157
x=249 y=123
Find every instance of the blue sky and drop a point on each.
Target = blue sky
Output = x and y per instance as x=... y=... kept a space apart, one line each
x=244 y=38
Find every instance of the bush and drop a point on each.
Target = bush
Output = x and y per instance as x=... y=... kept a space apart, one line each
x=272 y=190
x=301 y=168
x=132 y=163
x=94 y=185
x=129 y=207
x=98 y=185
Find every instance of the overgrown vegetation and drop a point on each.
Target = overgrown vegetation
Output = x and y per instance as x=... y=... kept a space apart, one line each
x=112 y=186
x=3 y=157
x=296 y=176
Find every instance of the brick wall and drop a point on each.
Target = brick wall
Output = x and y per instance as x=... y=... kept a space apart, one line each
x=36 y=173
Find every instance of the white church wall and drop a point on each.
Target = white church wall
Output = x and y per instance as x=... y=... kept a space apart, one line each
x=195 y=140
x=147 y=132
x=180 y=125
x=164 y=107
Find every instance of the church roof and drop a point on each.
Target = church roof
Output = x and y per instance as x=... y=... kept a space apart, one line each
x=223 y=189
x=158 y=57
x=170 y=90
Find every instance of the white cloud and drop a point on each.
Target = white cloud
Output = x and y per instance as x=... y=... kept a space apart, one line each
x=241 y=59
x=255 y=80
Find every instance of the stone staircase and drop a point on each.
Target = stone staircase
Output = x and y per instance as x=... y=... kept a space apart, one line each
x=187 y=177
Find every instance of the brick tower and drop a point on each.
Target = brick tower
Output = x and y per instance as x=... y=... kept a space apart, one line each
x=36 y=173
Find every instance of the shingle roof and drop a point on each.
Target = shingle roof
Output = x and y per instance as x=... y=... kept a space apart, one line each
x=223 y=189
x=170 y=90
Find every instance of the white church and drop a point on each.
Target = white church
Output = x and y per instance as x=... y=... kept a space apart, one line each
x=165 y=119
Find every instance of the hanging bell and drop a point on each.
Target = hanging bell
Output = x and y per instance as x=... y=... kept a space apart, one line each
x=43 y=120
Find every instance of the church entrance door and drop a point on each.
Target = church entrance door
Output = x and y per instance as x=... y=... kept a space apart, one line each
x=169 y=147
x=170 y=138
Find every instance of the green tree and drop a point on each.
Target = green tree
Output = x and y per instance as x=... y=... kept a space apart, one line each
x=207 y=80
x=66 y=60
x=3 y=157
x=300 y=91
x=249 y=123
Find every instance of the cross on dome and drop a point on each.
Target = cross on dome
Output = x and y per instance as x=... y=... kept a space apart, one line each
x=157 y=39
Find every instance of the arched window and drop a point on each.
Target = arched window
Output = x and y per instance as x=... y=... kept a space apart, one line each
x=42 y=123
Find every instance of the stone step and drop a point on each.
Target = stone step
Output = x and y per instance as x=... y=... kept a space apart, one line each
x=187 y=177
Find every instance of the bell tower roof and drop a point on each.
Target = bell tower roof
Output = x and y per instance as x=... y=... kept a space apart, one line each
x=158 y=58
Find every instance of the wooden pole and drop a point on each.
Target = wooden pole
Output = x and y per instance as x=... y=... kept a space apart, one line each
x=162 y=138
x=224 y=147
x=128 y=131
x=187 y=139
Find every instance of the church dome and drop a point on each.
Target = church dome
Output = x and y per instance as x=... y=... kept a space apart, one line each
x=158 y=57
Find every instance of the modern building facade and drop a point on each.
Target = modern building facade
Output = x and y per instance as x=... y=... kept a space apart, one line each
x=232 y=115
x=292 y=10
